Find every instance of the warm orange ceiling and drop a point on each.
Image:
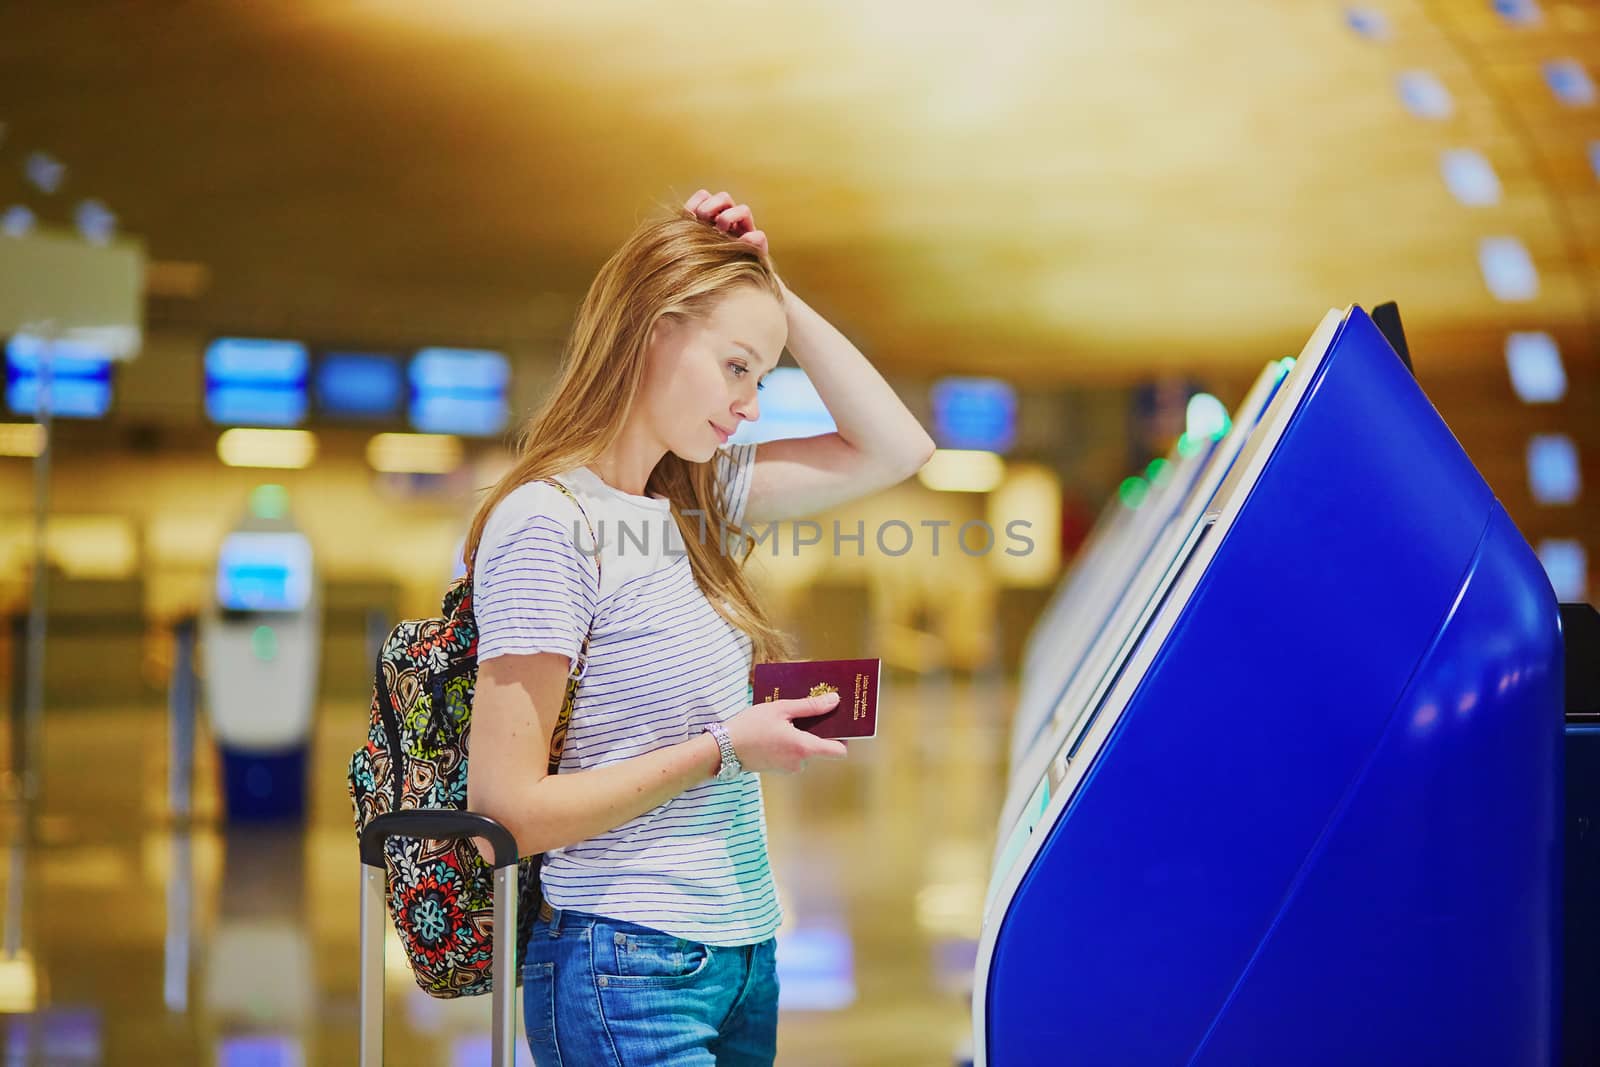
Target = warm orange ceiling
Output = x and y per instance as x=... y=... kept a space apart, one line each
x=1071 y=191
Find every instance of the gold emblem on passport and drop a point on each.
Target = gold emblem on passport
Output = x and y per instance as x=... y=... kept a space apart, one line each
x=822 y=688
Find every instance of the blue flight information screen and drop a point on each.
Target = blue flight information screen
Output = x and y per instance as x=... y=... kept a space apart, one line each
x=459 y=391
x=360 y=386
x=253 y=381
x=264 y=571
x=80 y=377
x=975 y=413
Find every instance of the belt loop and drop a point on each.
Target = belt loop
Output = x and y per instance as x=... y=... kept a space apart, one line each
x=555 y=921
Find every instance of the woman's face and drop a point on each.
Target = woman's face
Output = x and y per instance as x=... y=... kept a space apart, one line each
x=701 y=375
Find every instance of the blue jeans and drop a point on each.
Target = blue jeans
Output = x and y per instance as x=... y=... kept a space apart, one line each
x=597 y=992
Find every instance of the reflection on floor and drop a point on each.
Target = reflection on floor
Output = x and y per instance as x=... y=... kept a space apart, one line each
x=130 y=940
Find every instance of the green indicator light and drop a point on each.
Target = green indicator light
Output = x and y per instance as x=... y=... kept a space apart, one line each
x=1157 y=470
x=1189 y=446
x=264 y=643
x=1132 y=491
x=269 y=501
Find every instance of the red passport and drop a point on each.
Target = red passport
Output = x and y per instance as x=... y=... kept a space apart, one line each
x=855 y=680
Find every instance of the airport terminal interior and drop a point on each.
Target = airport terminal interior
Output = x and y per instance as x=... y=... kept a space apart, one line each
x=1238 y=693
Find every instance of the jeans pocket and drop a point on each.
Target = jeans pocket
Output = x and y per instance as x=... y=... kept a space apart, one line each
x=634 y=957
x=539 y=1011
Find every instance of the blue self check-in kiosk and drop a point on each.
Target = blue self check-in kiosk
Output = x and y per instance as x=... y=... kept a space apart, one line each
x=1309 y=808
x=1127 y=561
x=261 y=638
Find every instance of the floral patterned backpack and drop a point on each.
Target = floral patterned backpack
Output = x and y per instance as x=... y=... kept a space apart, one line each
x=440 y=892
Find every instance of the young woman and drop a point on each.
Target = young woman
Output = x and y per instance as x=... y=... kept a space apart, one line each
x=656 y=942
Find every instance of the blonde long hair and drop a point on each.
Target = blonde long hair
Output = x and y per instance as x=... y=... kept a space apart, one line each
x=674 y=265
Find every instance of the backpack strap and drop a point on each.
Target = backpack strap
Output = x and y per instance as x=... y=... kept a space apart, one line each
x=558 y=740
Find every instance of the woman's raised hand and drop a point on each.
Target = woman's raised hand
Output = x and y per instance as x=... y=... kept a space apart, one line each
x=736 y=220
x=766 y=739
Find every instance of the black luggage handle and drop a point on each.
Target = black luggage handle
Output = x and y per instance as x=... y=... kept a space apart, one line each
x=440 y=825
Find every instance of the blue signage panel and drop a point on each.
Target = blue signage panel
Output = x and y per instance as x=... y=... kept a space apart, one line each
x=359 y=385
x=80 y=378
x=978 y=413
x=459 y=391
x=264 y=571
x=253 y=381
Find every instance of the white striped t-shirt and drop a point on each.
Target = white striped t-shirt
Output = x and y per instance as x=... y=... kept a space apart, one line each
x=662 y=665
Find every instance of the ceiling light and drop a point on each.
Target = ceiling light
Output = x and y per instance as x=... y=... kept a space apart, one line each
x=414 y=453
x=23 y=439
x=1566 y=562
x=1425 y=95
x=1534 y=361
x=1570 y=82
x=1508 y=269
x=1553 y=473
x=1470 y=177
x=282 y=449
x=954 y=470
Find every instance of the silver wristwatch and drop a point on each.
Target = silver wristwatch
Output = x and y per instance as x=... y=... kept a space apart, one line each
x=731 y=767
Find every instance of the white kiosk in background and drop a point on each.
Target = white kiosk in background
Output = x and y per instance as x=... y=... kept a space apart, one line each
x=261 y=636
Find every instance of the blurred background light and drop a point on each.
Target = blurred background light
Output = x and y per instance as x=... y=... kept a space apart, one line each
x=260 y=1050
x=1470 y=177
x=19 y=986
x=18 y=221
x=1534 y=361
x=95 y=222
x=1553 y=474
x=816 y=968
x=1519 y=12
x=280 y=449
x=952 y=470
x=1206 y=416
x=269 y=501
x=21 y=439
x=1030 y=494
x=1368 y=22
x=1566 y=561
x=1508 y=269
x=414 y=453
x=1570 y=82
x=1425 y=96
x=979 y=413
x=44 y=171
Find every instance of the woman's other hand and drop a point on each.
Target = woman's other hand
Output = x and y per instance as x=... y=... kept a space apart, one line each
x=736 y=220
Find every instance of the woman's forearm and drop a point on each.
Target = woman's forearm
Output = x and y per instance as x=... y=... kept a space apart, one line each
x=867 y=411
x=562 y=809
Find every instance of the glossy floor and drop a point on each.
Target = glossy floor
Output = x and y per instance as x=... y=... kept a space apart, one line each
x=131 y=939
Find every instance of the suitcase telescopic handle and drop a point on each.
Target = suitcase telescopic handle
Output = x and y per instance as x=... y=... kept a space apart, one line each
x=439 y=825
